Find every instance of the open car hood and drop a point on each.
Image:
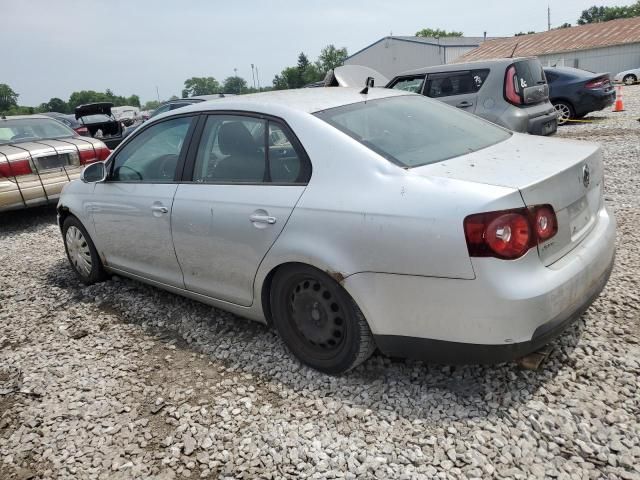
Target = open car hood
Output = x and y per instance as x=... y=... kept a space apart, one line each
x=103 y=108
x=354 y=76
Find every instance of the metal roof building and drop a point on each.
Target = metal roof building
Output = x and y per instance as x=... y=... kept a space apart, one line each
x=394 y=54
x=611 y=46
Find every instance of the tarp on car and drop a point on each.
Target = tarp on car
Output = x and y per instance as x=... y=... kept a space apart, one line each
x=93 y=109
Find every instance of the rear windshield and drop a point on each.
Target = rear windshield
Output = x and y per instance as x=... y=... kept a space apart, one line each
x=411 y=130
x=98 y=118
x=26 y=129
x=530 y=73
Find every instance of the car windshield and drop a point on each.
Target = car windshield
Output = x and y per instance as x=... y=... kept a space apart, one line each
x=412 y=130
x=25 y=129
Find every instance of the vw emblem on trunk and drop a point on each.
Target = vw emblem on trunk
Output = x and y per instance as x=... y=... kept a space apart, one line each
x=586 y=176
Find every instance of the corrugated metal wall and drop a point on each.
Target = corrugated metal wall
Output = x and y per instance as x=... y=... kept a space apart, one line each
x=391 y=57
x=610 y=59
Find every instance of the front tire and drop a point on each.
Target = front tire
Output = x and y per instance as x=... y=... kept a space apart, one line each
x=630 y=79
x=81 y=252
x=565 y=112
x=318 y=320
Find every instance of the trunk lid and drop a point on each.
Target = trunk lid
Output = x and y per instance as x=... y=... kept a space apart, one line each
x=568 y=175
x=103 y=108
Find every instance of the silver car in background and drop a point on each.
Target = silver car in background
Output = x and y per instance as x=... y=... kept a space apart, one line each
x=511 y=92
x=337 y=217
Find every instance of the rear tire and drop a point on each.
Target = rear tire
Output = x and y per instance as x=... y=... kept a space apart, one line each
x=630 y=79
x=565 y=111
x=81 y=252
x=318 y=320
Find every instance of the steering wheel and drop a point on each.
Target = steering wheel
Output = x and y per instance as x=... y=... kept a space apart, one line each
x=129 y=168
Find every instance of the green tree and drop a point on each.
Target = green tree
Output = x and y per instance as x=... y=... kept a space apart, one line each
x=150 y=105
x=330 y=58
x=8 y=98
x=519 y=34
x=437 y=33
x=564 y=25
x=200 y=86
x=56 y=105
x=235 y=84
x=133 y=100
x=597 y=14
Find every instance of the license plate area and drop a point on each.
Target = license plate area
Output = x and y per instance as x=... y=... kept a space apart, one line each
x=581 y=217
x=549 y=127
x=52 y=162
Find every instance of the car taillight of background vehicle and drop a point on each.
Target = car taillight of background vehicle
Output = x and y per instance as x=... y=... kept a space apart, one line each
x=511 y=89
x=84 y=131
x=597 y=83
x=509 y=234
x=15 y=167
x=91 y=154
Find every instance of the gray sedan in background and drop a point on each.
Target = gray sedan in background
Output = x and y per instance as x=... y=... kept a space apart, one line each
x=336 y=216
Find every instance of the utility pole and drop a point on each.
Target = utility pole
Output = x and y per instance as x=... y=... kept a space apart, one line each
x=253 y=76
x=548 y=17
x=235 y=72
x=258 y=77
x=158 y=94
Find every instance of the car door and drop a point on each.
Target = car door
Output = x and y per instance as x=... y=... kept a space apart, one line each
x=245 y=179
x=131 y=210
x=454 y=88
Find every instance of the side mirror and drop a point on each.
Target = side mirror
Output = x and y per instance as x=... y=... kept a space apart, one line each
x=94 y=173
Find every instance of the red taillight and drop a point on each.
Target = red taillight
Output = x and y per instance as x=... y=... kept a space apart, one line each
x=545 y=223
x=509 y=234
x=511 y=90
x=84 y=131
x=88 y=155
x=102 y=153
x=16 y=167
x=601 y=82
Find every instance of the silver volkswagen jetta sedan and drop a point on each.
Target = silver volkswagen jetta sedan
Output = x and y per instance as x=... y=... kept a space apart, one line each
x=352 y=221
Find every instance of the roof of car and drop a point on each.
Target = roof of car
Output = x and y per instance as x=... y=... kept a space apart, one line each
x=20 y=117
x=462 y=65
x=308 y=100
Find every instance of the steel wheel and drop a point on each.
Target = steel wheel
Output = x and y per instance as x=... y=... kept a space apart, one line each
x=316 y=315
x=79 y=252
x=564 y=112
x=629 y=79
x=318 y=320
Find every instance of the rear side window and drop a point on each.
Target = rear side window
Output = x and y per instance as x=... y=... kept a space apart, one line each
x=410 y=130
x=456 y=83
x=529 y=73
x=409 y=84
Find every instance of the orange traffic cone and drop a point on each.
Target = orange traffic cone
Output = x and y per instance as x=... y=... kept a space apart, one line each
x=618 y=106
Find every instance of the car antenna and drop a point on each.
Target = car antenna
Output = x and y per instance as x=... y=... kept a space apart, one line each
x=367 y=83
x=514 y=49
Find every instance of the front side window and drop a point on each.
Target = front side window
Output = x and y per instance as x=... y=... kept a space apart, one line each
x=242 y=149
x=411 y=130
x=152 y=156
x=409 y=84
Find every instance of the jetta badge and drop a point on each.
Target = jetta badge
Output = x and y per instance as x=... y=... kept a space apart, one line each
x=586 y=176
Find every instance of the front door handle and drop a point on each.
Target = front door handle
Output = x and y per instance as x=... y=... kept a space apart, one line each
x=464 y=104
x=159 y=209
x=258 y=218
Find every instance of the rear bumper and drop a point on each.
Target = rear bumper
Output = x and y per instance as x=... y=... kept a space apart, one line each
x=594 y=102
x=509 y=310
x=543 y=125
x=31 y=190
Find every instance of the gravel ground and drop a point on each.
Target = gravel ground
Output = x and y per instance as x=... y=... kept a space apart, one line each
x=120 y=380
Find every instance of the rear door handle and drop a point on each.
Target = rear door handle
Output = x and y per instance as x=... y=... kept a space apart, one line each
x=464 y=104
x=258 y=218
x=159 y=209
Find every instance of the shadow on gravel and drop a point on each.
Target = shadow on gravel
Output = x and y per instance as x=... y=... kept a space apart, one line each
x=24 y=220
x=409 y=389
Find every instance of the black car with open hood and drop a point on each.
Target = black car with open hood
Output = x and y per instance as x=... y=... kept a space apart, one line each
x=100 y=122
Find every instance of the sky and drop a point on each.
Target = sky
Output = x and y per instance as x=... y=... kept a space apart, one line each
x=52 y=48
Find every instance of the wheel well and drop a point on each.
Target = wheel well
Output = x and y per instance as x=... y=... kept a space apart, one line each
x=265 y=295
x=631 y=75
x=63 y=213
x=563 y=100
